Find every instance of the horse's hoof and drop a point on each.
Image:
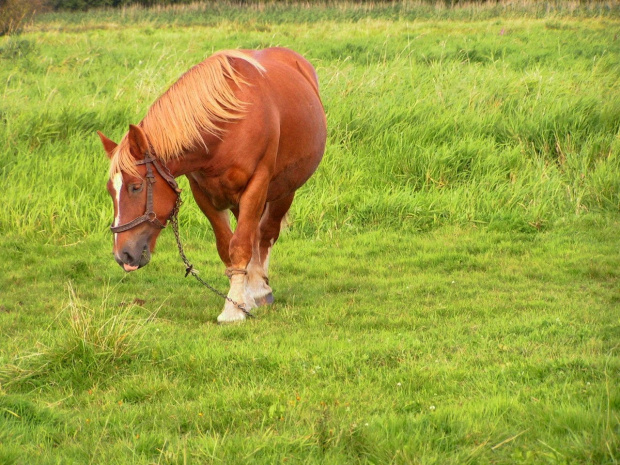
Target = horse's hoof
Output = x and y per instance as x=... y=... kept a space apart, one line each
x=265 y=300
x=227 y=317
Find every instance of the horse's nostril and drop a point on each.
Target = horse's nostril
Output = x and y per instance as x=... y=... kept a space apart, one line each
x=127 y=258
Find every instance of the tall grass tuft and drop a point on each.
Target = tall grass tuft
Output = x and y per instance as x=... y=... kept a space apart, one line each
x=105 y=333
x=90 y=345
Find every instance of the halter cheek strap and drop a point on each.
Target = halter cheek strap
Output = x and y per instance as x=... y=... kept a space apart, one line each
x=149 y=215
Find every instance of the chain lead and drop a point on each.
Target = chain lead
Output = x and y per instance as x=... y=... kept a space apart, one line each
x=189 y=268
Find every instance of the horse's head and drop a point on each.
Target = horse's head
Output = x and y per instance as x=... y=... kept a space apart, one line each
x=144 y=199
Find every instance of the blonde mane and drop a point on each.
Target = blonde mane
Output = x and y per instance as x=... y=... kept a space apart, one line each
x=198 y=101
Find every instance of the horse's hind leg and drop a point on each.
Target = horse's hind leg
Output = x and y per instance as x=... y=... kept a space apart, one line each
x=269 y=231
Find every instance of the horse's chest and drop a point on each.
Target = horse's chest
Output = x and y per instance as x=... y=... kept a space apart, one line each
x=223 y=191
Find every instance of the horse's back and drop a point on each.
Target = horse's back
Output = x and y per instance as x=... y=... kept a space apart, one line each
x=292 y=80
x=295 y=62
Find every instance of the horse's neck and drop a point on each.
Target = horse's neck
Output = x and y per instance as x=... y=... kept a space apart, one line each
x=188 y=162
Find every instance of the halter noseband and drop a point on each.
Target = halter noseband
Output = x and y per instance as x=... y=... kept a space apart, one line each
x=149 y=215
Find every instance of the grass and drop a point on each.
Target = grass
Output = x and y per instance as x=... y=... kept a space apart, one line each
x=447 y=291
x=438 y=350
x=525 y=115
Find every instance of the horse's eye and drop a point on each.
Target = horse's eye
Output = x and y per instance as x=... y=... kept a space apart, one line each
x=135 y=188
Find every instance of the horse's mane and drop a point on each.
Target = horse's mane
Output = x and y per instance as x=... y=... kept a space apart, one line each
x=198 y=101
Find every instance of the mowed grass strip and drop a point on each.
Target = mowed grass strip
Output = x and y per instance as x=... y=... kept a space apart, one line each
x=438 y=348
x=447 y=291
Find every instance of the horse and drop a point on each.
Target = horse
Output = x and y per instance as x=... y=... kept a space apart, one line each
x=247 y=128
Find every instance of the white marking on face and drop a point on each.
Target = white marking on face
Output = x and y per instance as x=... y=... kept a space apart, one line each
x=117 y=184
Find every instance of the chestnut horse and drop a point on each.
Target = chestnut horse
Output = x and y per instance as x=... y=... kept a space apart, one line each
x=247 y=128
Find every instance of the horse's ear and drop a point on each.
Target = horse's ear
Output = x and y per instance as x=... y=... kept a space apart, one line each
x=138 y=145
x=108 y=145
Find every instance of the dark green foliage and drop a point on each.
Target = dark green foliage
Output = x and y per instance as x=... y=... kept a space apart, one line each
x=14 y=14
x=86 y=4
x=350 y=10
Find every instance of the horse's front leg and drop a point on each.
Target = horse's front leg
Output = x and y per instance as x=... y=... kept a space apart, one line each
x=242 y=244
x=220 y=221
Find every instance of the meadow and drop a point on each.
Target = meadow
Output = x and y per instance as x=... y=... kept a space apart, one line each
x=447 y=290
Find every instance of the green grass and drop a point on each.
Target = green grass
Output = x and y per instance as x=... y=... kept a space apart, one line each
x=524 y=127
x=434 y=351
x=447 y=291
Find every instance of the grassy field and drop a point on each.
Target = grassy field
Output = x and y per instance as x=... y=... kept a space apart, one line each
x=447 y=292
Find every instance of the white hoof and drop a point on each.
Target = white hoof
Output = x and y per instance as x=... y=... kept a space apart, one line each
x=231 y=316
x=232 y=313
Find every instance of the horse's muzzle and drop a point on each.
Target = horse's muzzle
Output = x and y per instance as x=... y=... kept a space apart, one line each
x=133 y=258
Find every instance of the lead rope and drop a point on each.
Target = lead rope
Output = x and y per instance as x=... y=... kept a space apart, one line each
x=189 y=268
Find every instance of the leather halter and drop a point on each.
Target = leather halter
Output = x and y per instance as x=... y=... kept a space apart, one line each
x=149 y=215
